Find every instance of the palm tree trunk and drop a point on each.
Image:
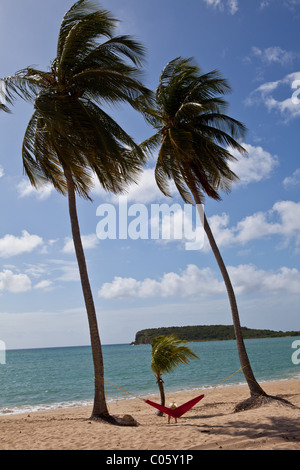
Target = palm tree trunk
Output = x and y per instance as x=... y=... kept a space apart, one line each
x=100 y=408
x=254 y=387
x=160 y=384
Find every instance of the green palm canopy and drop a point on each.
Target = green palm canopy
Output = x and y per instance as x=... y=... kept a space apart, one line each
x=69 y=130
x=169 y=352
x=193 y=133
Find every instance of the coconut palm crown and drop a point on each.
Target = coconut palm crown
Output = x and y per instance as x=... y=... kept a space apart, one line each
x=192 y=130
x=169 y=352
x=69 y=129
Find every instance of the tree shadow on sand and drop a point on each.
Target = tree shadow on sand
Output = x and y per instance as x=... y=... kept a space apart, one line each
x=284 y=427
x=276 y=427
x=231 y=407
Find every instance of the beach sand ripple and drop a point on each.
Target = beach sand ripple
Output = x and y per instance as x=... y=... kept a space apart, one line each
x=210 y=425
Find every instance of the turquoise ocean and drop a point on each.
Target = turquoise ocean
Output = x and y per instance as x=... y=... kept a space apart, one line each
x=41 y=379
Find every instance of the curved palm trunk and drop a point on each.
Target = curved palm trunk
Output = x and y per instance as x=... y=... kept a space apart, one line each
x=100 y=408
x=160 y=384
x=254 y=387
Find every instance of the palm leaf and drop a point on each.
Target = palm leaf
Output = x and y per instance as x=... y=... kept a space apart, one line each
x=77 y=13
x=198 y=137
x=168 y=352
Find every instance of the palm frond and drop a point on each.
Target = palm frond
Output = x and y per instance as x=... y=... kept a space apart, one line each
x=161 y=178
x=69 y=132
x=20 y=86
x=198 y=136
x=188 y=111
x=75 y=16
x=152 y=143
x=113 y=51
x=234 y=128
x=168 y=352
x=119 y=83
x=40 y=161
x=82 y=39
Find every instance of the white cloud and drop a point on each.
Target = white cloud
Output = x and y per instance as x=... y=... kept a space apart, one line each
x=289 y=108
x=88 y=242
x=223 y=234
x=257 y=166
x=204 y=282
x=293 y=180
x=265 y=3
x=26 y=189
x=1 y=172
x=231 y=5
x=36 y=270
x=214 y=3
x=11 y=245
x=289 y=215
x=14 y=282
x=68 y=271
x=274 y=54
x=43 y=285
x=144 y=191
x=190 y=282
x=291 y=4
x=248 y=279
x=282 y=220
x=182 y=227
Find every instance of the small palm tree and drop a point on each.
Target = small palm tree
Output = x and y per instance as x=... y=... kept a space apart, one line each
x=194 y=137
x=70 y=138
x=167 y=353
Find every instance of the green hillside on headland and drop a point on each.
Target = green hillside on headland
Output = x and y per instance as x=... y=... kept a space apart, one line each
x=206 y=333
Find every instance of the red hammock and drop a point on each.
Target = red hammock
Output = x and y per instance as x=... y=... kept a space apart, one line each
x=176 y=412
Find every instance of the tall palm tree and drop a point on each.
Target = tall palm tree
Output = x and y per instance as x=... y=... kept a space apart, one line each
x=194 y=137
x=70 y=138
x=167 y=353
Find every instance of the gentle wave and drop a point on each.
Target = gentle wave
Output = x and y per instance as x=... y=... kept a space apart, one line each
x=47 y=407
x=75 y=404
x=48 y=379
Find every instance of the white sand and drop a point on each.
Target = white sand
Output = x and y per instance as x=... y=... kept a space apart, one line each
x=211 y=424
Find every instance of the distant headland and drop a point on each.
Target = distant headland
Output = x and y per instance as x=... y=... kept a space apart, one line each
x=206 y=333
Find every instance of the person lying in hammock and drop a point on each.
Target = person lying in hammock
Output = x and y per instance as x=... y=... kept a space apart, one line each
x=176 y=412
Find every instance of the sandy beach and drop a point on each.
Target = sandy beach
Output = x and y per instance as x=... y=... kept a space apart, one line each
x=210 y=425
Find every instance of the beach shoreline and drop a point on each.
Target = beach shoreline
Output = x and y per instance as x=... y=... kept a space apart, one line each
x=120 y=396
x=210 y=425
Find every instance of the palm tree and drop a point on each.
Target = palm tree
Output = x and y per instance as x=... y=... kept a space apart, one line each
x=167 y=353
x=70 y=138
x=194 y=137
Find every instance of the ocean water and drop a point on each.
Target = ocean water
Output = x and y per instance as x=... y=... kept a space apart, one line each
x=37 y=379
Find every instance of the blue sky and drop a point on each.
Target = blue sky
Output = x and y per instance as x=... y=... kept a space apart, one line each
x=151 y=283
